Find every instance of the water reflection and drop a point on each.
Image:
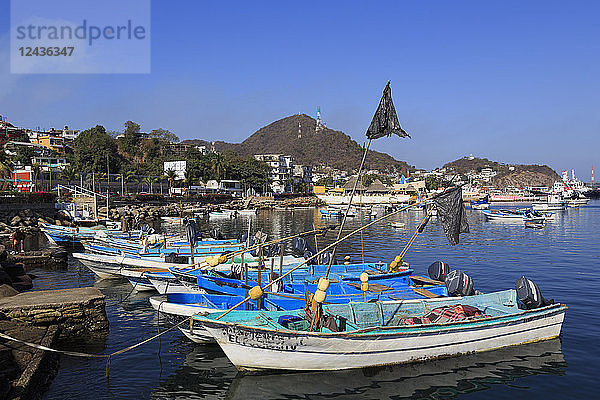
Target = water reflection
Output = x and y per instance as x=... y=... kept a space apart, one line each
x=440 y=379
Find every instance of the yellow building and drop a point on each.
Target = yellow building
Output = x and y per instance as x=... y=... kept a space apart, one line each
x=56 y=143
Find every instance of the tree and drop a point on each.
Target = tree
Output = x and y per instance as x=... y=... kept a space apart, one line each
x=128 y=177
x=131 y=138
x=148 y=180
x=4 y=165
x=24 y=155
x=36 y=169
x=68 y=173
x=92 y=148
x=164 y=135
x=171 y=175
x=219 y=165
x=188 y=177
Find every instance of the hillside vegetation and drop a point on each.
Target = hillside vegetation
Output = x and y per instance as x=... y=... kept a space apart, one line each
x=517 y=175
x=328 y=147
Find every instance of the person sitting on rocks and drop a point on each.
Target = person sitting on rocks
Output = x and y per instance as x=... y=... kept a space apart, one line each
x=18 y=239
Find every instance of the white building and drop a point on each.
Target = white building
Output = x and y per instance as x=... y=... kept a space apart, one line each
x=177 y=166
x=282 y=171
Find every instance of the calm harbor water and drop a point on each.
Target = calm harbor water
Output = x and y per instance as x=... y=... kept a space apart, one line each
x=563 y=259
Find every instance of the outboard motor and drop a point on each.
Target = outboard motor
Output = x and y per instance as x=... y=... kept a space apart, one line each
x=298 y=246
x=438 y=271
x=308 y=254
x=324 y=258
x=529 y=294
x=175 y=258
x=216 y=234
x=459 y=284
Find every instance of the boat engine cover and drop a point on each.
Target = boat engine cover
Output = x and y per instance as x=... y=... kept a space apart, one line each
x=438 y=271
x=174 y=258
x=530 y=294
x=459 y=283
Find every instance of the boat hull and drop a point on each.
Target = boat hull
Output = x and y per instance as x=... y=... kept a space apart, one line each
x=264 y=349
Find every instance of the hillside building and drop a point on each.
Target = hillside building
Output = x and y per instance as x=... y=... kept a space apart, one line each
x=282 y=171
x=177 y=166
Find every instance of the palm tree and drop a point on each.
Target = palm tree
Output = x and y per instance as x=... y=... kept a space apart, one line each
x=36 y=168
x=188 y=177
x=148 y=182
x=68 y=173
x=219 y=165
x=128 y=176
x=171 y=175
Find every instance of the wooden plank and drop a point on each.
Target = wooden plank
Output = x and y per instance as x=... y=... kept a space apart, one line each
x=425 y=293
x=421 y=280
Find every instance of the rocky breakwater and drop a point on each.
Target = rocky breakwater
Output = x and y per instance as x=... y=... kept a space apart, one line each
x=141 y=213
x=29 y=221
x=42 y=317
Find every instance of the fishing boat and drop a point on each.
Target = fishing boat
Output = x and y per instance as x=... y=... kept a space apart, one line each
x=535 y=224
x=359 y=335
x=106 y=267
x=504 y=215
x=397 y=225
x=534 y=217
x=248 y=212
x=220 y=214
x=554 y=202
x=112 y=266
x=172 y=220
x=438 y=379
x=180 y=305
x=480 y=204
x=337 y=212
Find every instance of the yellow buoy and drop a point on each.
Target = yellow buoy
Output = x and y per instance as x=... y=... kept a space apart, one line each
x=213 y=261
x=223 y=259
x=255 y=293
x=398 y=260
x=364 y=277
x=393 y=265
x=323 y=284
x=320 y=296
x=364 y=286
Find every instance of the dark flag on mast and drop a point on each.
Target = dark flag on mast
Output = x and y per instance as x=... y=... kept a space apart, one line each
x=385 y=121
x=452 y=214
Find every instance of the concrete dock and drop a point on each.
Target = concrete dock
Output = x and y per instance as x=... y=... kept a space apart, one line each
x=42 y=318
x=73 y=311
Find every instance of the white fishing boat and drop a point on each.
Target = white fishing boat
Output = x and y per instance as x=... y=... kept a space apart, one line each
x=178 y=311
x=503 y=215
x=107 y=267
x=165 y=283
x=172 y=220
x=375 y=334
x=397 y=225
x=554 y=202
x=248 y=212
x=223 y=214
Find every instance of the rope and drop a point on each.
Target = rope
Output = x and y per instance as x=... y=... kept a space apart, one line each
x=88 y=355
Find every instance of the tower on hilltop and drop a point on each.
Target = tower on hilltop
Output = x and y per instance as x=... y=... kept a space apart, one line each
x=299 y=130
x=320 y=125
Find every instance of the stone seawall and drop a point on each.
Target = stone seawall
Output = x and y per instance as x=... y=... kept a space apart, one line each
x=73 y=311
x=41 y=318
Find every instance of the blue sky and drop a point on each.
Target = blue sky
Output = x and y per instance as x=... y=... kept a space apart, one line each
x=514 y=81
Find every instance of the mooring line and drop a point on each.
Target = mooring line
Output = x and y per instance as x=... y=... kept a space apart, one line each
x=89 y=355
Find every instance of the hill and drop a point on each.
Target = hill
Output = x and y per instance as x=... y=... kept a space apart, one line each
x=327 y=147
x=517 y=175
